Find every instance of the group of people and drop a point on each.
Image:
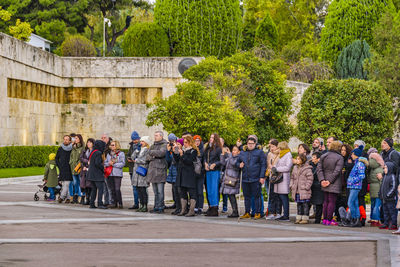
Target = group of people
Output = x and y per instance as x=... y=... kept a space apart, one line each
x=332 y=180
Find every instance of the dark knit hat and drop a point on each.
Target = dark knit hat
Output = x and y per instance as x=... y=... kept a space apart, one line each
x=180 y=141
x=135 y=136
x=358 y=151
x=389 y=141
x=172 y=137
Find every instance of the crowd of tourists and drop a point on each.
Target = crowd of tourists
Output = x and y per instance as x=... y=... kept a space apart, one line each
x=330 y=181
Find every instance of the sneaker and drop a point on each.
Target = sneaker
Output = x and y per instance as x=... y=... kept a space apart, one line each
x=333 y=223
x=277 y=216
x=324 y=222
x=393 y=227
x=50 y=199
x=270 y=217
x=383 y=226
x=245 y=216
x=257 y=216
x=283 y=219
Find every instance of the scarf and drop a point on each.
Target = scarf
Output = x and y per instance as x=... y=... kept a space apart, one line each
x=66 y=148
x=283 y=152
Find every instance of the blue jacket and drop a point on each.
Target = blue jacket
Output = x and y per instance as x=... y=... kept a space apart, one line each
x=254 y=164
x=357 y=175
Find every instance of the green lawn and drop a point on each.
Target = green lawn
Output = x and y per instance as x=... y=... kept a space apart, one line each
x=19 y=172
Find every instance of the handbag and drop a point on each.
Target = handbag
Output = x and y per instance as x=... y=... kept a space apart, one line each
x=78 y=168
x=107 y=171
x=142 y=171
x=276 y=178
x=230 y=181
x=197 y=166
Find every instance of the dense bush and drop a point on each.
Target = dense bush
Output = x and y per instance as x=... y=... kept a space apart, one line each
x=146 y=39
x=307 y=71
x=266 y=33
x=201 y=28
x=350 y=63
x=77 y=46
x=25 y=156
x=348 y=109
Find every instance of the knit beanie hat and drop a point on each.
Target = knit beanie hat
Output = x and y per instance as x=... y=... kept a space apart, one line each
x=359 y=143
x=372 y=150
x=180 y=141
x=172 y=137
x=389 y=141
x=358 y=151
x=197 y=137
x=254 y=137
x=52 y=156
x=146 y=139
x=135 y=136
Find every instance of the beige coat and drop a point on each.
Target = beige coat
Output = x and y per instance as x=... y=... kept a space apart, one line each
x=301 y=181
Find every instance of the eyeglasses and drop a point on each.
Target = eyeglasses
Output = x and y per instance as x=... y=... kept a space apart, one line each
x=251 y=143
x=112 y=145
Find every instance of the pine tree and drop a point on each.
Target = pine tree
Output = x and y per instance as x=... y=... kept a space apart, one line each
x=351 y=60
x=266 y=32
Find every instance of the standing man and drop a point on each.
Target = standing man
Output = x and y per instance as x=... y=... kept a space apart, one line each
x=157 y=173
x=253 y=164
x=107 y=191
x=133 y=145
x=62 y=161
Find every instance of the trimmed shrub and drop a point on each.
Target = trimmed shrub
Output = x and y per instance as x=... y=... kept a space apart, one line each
x=266 y=33
x=348 y=109
x=77 y=46
x=25 y=156
x=146 y=39
x=351 y=60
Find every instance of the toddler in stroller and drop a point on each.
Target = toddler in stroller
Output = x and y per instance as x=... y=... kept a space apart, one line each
x=51 y=180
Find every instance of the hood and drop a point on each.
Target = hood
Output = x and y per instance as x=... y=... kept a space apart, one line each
x=378 y=159
x=390 y=167
x=99 y=145
x=258 y=146
x=364 y=160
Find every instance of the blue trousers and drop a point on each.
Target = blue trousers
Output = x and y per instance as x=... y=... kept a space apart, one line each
x=253 y=204
x=375 y=209
x=390 y=213
x=353 y=203
x=74 y=187
x=212 y=178
x=252 y=190
x=51 y=191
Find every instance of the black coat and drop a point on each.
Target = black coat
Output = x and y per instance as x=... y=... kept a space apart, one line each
x=392 y=156
x=388 y=190
x=62 y=161
x=317 y=195
x=186 y=177
x=212 y=156
x=96 y=166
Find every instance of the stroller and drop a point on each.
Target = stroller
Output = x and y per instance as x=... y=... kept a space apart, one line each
x=44 y=191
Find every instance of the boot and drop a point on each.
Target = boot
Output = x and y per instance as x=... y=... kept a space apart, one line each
x=60 y=200
x=235 y=212
x=144 y=208
x=68 y=200
x=298 y=219
x=214 y=212
x=87 y=200
x=75 y=199
x=191 y=209
x=140 y=208
x=344 y=222
x=304 y=220
x=176 y=211
x=82 y=200
x=357 y=223
x=184 y=207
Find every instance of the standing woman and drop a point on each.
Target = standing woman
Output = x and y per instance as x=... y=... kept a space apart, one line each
x=329 y=172
x=375 y=176
x=200 y=177
x=116 y=159
x=212 y=165
x=274 y=203
x=96 y=174
x=84 y=159
x=139 y=179
x=284 y=166
x=74 y=160
x=186 y=157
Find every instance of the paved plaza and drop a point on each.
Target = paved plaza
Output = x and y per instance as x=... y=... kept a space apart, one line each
x=39 y=233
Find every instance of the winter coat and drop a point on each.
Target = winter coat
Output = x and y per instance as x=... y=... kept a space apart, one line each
x=330 y=168
x=74 y=157
x=357 y=174
x=272 y=159
x=96 y=166
x=254 y=164
x=301 y=181
x=392 y=156
x=132 y=148
x=51 y=174
x=231 y=170
x=317 y=196
x=172 y=170
x=201 y=157
x=140 y=156
x=212 y=156
x=186 y=177
x=284 y=165
x=348 y=164
x=374 y=169
x=62 y=161
x=157 y=171
x=84 y=159
x=119 y=164
x=388 y=190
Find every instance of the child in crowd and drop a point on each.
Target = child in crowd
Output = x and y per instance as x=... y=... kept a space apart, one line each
x=51 y=176
x=317 y=195
x=387 y=194
x=301 y=181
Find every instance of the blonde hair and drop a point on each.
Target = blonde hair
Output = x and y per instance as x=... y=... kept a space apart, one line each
x=117 y=144
x=192 y=144
x=336 y=146
x=283 y=145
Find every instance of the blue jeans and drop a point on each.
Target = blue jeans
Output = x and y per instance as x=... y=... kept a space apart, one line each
x=285 y=203
x=212 y=187
x=135 y=195
x=375 y=209
x=253 y=204
x=74 y=187
x=51 y=191
x=353 y=203
x=158 y=189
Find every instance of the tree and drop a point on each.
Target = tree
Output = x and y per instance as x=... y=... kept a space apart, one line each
x=351 y=60
x=347 y=21
x=250 y=23
x=198 y=110
x=21 y=30
x=266 y=32
x=201 y=28
x=258 y=91
x=145 y=39
x=77 y=46
x=348 y=109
